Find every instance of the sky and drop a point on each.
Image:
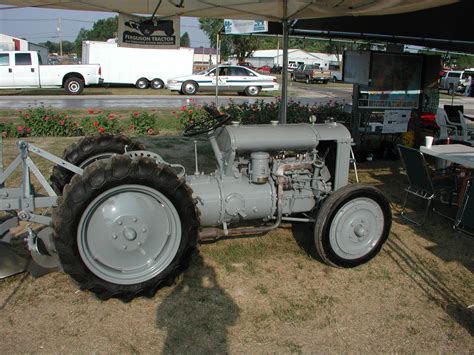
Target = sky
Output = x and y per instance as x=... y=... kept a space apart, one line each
x=39 y=25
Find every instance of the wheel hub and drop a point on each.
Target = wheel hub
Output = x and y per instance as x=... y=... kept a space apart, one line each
x=360 y=231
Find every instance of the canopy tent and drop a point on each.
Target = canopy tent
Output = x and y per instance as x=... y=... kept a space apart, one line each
x=448 y=27
x=272 y=10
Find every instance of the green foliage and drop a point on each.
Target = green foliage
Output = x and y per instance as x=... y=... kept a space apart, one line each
x=53 y=47
x=211 y=28
x=262 y=112
x=193 y=115
x=185 y=41
x=102 y=30
x=99 y=123
x=143 y=122
x=45 y=122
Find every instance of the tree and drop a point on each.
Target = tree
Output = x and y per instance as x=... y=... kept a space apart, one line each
x=185 y=41
x=102 y=30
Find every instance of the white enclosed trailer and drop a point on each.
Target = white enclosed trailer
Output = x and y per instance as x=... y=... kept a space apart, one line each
x=137 y=66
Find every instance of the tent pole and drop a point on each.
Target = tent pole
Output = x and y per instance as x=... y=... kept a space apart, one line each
x=284 y=72
x=218 y=50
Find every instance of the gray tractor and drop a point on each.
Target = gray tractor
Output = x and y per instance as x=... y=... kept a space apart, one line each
x=126 y=222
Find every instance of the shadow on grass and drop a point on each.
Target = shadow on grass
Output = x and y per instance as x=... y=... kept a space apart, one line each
x=197 y=314
x=429 y=282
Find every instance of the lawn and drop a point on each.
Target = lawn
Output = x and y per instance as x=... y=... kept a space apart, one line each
x=264 y=294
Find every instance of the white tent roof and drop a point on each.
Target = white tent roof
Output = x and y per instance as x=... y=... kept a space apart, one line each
x=238 y=9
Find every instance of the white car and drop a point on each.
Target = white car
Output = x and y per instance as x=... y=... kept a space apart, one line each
x=231 y=78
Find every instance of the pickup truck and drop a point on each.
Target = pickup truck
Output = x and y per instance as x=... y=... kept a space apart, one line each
x=23 y=69
x=311 y=73
x=453 y=78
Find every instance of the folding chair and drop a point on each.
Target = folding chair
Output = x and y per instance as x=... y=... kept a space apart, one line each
x=456 y=118
x=465 y=217
x=420 y=183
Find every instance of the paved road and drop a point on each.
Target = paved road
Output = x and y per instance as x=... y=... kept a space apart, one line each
x=305 y=94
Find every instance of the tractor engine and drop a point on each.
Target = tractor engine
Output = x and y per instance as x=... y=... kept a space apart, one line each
x=270 y=172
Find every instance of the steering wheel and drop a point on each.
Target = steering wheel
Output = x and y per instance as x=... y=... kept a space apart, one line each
x=218 y=119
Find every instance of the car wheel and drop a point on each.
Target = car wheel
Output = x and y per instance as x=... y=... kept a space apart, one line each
x=157 y=84
x=189 y=87
x=74 y=86
x=142 y=83
x=252 y=90
x=308 y=81
x=450 y=91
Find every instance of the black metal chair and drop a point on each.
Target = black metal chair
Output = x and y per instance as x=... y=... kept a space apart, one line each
x=465 y=218
x=421 y=183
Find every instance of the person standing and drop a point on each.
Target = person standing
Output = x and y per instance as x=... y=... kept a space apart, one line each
x=468 y=85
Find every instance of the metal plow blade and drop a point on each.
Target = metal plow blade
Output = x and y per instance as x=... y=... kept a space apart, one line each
x=10 y=262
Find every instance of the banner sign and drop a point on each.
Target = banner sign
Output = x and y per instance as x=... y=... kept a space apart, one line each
x=143 y=32
x=237 y=27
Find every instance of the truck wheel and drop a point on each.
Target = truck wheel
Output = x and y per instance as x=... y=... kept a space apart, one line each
x=189 y=87
x=125 y=228
x=74 y=86
x=334 y=79
x=308 y=81
x=252 y=90
x=142 y=83
x=85 y=152
x=352 y=225
x=451 y=91
x=292 y=77
x=157 y=84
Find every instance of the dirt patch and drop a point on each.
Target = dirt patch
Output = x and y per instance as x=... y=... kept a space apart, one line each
x=264 y=294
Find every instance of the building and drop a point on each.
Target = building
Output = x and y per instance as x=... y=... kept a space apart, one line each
x=10 y=43
x=275 y=57
x=204 y=58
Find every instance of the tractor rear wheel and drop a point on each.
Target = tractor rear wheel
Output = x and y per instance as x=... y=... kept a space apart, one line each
x=88 y=150
x=125 y=228
x=352 y=225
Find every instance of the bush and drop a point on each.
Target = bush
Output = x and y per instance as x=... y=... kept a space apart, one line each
x=100 y=123
x=142 y=123
x=40 y=121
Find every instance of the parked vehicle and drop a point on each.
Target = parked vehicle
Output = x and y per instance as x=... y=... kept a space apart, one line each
x=453 y=78
x=276 y=69
x=265 y=68
x=247 y=65
x=336 y=75
x=311 y=73
x=23 y=69
x=231 y=78
x=137 y=66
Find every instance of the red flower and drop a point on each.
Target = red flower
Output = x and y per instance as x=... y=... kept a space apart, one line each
x=96 y=124
x=111 y=117
x=61 y=123
x=182 y=108
x=26 y=115
x=28 y=129
x=101 y=130
x=131 y=126
x=46 y=118
x=90 y=111
x=174 y=112
x=190 y=112
x=135 y=114
x=66 y=116
x=4 y=134
x=20 y=128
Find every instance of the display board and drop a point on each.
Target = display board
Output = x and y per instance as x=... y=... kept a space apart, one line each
x=356 y=68
x=396 y=121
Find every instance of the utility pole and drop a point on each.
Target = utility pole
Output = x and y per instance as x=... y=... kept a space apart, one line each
x=60 y=37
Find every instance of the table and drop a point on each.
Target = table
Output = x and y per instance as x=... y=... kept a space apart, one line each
x=456 y=153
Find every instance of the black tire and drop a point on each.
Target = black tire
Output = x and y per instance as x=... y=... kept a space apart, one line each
x=330 y=212
x=451 y=91
x=189 y=87
x=292 y=77
x=100 y=178
x=157 y=84
x=74 y=86
x=308 y=80
x=88 y=150
x=142 y=83
x=252 y=90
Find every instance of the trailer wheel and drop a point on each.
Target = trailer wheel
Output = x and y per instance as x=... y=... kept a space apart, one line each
x=252 y=90
x=74 y=86
x=189 y=87
x=352 y=225
x=157 y=84
x=142 y=83
x=88 y=150
x=125 y=228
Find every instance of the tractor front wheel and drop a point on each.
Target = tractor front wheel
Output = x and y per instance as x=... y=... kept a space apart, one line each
x=125 y=228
